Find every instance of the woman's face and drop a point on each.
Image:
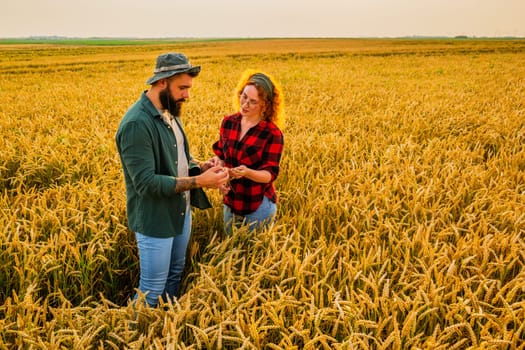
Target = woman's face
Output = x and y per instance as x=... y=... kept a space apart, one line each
x=251 y=104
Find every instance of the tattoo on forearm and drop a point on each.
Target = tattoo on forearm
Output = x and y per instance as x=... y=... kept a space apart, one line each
x=185 y=184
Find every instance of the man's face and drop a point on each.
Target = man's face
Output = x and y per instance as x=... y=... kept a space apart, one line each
x=176 y=92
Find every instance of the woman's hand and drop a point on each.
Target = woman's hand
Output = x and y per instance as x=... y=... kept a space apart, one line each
x=239 y=172
x=261 y=176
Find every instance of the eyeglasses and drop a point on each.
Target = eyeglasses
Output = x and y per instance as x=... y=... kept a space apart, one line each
x=245 y=100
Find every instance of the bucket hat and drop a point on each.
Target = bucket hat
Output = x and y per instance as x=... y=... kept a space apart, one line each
x=169 y=64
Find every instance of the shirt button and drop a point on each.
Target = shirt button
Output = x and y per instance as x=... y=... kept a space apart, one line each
x=182 y=214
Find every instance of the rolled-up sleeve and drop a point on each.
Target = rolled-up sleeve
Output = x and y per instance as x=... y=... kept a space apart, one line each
x=272 y=154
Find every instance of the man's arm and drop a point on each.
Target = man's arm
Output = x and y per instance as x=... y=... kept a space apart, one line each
x=185 y=184
x=211 y=178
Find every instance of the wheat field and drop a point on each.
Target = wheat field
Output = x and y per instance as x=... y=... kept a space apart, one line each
x=401 y=218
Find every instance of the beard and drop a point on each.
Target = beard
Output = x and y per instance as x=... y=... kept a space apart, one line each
x=169 y=103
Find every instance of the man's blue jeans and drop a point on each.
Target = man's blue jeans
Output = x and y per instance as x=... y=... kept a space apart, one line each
x=257 y=220
x=162 y=263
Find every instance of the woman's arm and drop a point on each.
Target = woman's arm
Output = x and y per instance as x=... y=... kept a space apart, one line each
x=261 y=176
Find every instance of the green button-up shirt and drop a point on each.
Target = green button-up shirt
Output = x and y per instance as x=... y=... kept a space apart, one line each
x=148 y=152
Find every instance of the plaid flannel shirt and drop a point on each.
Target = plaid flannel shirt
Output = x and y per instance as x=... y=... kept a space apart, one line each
x=260 y=149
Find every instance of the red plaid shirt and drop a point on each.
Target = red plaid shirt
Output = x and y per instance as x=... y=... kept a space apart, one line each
x=260 y=149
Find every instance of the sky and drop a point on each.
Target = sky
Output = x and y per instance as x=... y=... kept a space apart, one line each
x=261 y=18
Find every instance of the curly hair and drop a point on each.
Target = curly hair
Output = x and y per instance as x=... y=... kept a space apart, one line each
x=273 y=109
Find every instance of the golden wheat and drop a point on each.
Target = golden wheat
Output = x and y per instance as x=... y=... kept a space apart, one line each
x=402 y=200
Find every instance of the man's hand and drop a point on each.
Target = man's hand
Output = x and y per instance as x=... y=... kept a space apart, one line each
x=224 y=189
x=213 y=177
x=210 y=163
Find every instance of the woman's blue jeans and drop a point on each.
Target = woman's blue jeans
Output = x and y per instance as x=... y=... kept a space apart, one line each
x=162 y=263
x=257 y=220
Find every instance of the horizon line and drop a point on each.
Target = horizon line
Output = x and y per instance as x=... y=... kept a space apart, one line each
x=64 y=37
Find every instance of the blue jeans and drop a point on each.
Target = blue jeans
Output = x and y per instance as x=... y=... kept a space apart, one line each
x=257 y=220
x=162 y=262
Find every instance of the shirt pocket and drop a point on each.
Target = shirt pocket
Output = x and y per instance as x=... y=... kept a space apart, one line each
x=252 y=156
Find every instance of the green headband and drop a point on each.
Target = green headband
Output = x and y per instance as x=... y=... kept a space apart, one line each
x=264 y=82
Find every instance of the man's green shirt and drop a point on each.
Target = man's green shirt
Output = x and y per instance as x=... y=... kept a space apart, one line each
x=148 y=152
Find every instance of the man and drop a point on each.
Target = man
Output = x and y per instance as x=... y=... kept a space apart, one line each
x=157 y=165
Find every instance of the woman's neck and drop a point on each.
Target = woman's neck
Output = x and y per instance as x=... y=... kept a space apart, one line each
x=251 y=120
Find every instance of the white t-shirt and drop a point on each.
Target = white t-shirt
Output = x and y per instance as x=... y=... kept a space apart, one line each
x=182 y=162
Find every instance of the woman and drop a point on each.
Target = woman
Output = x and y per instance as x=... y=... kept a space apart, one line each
x=250 y=145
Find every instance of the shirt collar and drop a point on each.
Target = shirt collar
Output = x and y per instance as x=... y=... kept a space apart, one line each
x=261 y=125
x=148 y=105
